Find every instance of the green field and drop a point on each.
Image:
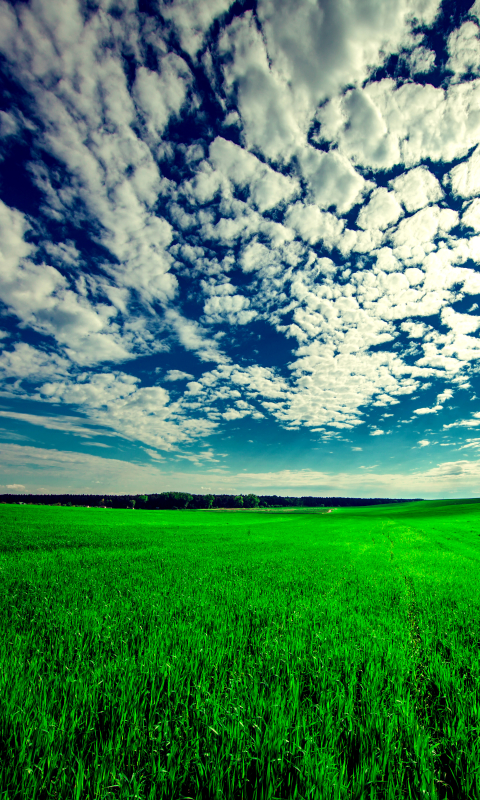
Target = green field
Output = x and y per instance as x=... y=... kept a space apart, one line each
x=196 y=654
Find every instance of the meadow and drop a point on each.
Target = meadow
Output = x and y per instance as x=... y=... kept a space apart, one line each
x=250 y=655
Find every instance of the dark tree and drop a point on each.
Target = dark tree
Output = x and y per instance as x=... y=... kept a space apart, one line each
x=251 y=501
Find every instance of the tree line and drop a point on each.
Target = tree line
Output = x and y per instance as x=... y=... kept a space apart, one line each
x=182 y=500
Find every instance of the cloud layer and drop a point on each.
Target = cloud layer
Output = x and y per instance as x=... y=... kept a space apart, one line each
x=222 y=218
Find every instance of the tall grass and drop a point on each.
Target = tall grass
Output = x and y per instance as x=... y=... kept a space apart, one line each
x=173 y=655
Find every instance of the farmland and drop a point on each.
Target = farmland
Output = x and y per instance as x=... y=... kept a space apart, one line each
x=240 y=654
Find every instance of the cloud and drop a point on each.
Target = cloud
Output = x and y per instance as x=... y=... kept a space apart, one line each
x=64 y=253
x=306 y=54
x=218 y=187
x=314 y=225
x=464 y=179
x=471 y=215
x=193 y=337
x=153 y=454
x=25 y=361
x=67 y=471
x=385 y=124
x=159 y=96
x=141 y=414
x=445 y=395
x=177 y=375
x=57 y=423
x=41 y=297
x=332 y=180
x=432 y=410
x=8 y=125
x=417 y=188
x=267 y=188
x=419 y=229
x=64 y=471
x=415 y=330
x=424 y=442
x=192 y=20
x=421 y=60
x=381 y=211
x=464 y=50
x=473 y=422
x=475 y=443
x=17 y=486
x=232 y=308
x=111 y=170
x=460 y=323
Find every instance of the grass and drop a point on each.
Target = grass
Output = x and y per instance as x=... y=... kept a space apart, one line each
x=263 y=655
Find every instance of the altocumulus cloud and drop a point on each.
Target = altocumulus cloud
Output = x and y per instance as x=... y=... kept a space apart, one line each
x=218 y=221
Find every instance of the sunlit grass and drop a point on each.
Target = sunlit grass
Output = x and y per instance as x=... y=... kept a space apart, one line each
x=198 y=655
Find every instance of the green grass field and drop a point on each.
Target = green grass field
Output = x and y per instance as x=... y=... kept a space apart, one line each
x=195 y=654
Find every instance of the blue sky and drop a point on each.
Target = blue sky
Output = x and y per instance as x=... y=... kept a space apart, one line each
x=240 y=247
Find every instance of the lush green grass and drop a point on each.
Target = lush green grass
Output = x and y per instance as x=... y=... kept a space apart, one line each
x=229 y=655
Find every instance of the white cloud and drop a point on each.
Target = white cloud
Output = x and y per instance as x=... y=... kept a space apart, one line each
x=473 y=422
x=194 y=387
x=433 y=410
x=193 y=19
x=57 y=423
x=308 y=54
x=419 y=229
x=417 y=188
x=424 y=442
x=464 y=50
x=464 y=179
x=14 y=248
x=87 y=119
x=8 y=125
x=193 y=337
x=267 y=187
x=362 y=134
x=41 y=297
x=445 y=395
x=231 y=308
x=177 y=375
x=153 y=454
x=141 y=414
x=381 y=211
x=331 y=179
x=263 y=104
x=421 y=60
x=159 y=96
x=314 y=225
x=64 y=253
x=459 y=323
x=25 y=361
x=471 y=215
x=384 y=125
x=415 y=330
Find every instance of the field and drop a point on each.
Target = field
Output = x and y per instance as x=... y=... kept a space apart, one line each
x=191 y=654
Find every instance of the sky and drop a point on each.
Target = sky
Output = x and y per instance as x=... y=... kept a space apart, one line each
x=240 y=247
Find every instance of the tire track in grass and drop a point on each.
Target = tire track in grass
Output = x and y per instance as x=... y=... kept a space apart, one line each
x=425 y=694
x=417 y=655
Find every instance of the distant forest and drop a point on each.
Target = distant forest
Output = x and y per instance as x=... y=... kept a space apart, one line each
x=178 y=500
